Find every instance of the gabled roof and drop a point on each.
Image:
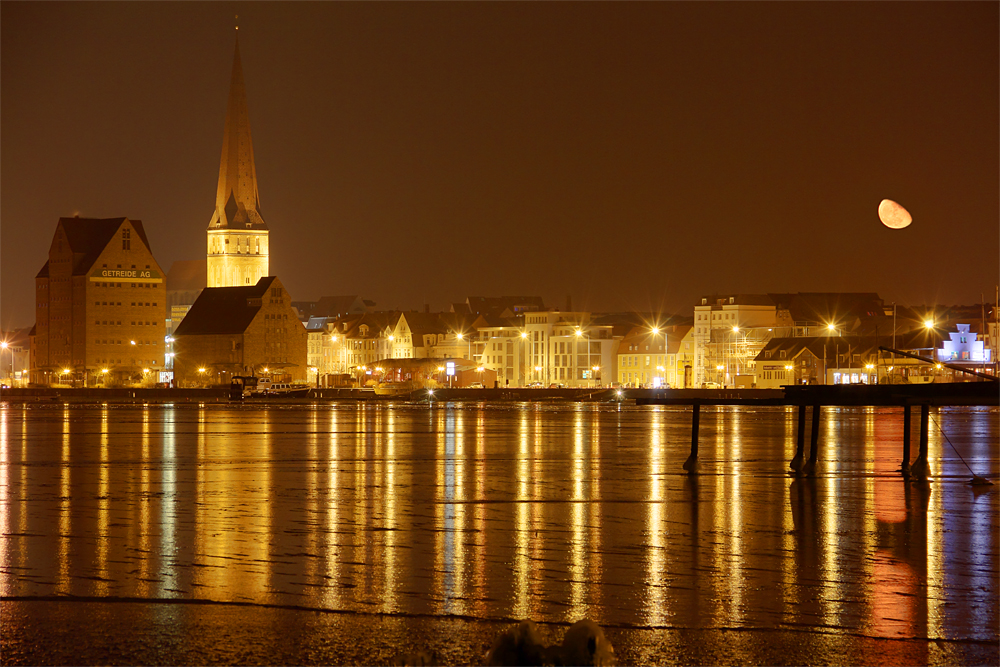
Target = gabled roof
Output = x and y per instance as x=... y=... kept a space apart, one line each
x=421 y=324
x=224 y=310
x=376 y=323
x=88 y=237
x=44 y=271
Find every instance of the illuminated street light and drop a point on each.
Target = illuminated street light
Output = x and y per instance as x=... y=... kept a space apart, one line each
x=929 y=324
x=132 y=342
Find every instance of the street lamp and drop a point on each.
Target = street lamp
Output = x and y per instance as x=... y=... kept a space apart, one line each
x=538 y=371
x=578 y=334
x=4 y=345
x=721 y=368
x=595 y=369
x=788 y=372
x=663 y=375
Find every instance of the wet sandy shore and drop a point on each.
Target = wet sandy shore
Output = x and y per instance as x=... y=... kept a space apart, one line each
x=60 y=632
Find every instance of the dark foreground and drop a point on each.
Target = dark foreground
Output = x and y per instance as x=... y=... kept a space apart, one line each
x=56 y=632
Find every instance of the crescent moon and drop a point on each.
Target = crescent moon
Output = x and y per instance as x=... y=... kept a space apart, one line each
x=893 y=215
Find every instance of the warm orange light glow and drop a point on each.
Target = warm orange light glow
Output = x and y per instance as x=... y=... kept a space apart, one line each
x=201 y=370
x=460 y=336
x=736 y=329
x=831 y=327
x=524 y=334
x=929 y=324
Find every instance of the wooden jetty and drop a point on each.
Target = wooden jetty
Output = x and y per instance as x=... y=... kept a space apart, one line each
x=818 y=396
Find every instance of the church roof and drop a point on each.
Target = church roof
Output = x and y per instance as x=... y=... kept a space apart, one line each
x=237 y=204
x=224 y=310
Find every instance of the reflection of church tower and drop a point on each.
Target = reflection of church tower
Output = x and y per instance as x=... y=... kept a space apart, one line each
x=237 y=235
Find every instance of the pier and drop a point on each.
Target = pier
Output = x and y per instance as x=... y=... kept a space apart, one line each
x=816 y=397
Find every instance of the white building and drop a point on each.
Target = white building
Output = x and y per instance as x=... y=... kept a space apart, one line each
x=568 y=349
x=729 y=332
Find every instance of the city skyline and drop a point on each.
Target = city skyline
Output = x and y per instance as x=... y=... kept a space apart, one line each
x=632 y=157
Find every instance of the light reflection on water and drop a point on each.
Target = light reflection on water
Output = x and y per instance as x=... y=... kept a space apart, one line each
x=551 y=512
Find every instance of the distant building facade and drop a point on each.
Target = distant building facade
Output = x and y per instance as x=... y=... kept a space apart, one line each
x=237 y=234
x=240 y=330
x=100 y=306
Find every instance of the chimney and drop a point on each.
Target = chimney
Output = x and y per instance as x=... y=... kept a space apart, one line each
x=569 y=303
x=427 y=308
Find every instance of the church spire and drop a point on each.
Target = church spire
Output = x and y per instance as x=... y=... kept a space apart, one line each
x=236 y=201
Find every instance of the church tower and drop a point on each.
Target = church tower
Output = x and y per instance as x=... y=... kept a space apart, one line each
x=237 y=235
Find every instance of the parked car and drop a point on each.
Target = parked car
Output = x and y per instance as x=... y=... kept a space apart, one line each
x=535 y=385
x=477 y=385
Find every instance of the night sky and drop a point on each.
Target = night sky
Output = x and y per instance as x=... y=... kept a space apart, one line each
x=634 y=156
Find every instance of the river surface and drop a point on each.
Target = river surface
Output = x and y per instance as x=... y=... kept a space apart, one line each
x=508 y=511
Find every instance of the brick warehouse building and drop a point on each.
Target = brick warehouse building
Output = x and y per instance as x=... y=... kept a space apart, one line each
x=100 y=304
x=238 y=330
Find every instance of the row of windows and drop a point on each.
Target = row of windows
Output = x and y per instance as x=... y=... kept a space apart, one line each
x=627 y=361
x=138 y=362
x=117 y=284
x=635 y=348
x=118 y=342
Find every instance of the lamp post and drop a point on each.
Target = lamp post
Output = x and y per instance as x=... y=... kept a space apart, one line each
x=524 y=352
x=578 y=334
x=4 y=346
x=788 y=373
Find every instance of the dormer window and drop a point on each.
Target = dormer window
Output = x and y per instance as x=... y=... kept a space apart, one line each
x=126 y=239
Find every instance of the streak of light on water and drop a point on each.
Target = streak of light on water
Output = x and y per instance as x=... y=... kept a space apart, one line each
x=553 y=512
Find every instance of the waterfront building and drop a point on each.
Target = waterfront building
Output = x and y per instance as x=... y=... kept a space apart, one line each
x=648 y=357
x=240 y=330
x=100 y=306
x=729 y=331
x=185 y=281
x=358 y=342
x=15 y=357
x=333 y=307
x=237 y=234
x=567 y=348
x=504 y=345
x=964 y=346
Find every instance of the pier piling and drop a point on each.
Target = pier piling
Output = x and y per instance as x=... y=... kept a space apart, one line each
x=800 y=441
x=905 y=467
x=920 y=467
x=691 y=465
x=810 y=467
